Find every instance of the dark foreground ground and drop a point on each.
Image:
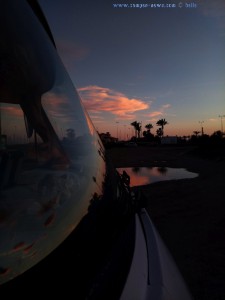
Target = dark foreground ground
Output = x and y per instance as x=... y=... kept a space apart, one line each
x=188 y=213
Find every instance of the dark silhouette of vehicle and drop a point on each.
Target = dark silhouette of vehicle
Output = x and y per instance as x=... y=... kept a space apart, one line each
x=69 y=222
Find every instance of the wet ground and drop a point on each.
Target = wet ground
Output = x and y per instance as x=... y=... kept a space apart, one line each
x=189 y=213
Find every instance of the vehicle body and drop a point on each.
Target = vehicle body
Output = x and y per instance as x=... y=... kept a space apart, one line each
x=68 y=221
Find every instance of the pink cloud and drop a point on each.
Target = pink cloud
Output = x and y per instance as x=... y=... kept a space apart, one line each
x=54 y=99
x=100 y=99
x=155 y=114
x=160 y=112
x=165 y=106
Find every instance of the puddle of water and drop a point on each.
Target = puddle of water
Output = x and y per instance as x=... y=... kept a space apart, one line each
x=143 y=175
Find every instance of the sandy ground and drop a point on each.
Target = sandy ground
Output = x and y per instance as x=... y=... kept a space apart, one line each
x=188 y=213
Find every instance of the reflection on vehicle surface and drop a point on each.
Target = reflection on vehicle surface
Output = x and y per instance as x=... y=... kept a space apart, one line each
x=69 y=221
x=51 y=159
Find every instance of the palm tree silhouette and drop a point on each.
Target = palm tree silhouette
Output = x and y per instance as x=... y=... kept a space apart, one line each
x=162 y=123
x=137 y=127
x=159 y=132
x=149 y=127
x=196 y=132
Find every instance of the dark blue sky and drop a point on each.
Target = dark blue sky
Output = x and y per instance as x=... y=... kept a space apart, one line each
x=144 y=63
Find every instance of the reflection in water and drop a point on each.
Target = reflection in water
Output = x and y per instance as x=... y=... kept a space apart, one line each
x=143 y=176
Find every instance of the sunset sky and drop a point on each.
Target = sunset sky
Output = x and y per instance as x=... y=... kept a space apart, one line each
x=144 y=64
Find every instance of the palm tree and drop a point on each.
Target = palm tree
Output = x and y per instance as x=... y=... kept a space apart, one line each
x=162 y=123
x=149 y=127
x=196 y=132
x=134 y=124
x=137 y=128
x=159 y=132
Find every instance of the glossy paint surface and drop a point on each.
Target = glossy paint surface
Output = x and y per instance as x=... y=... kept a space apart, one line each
x=51 y=158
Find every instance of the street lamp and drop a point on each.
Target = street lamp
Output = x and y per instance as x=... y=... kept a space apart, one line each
x=125 y=132
x=221 y=118
x=201 y=122
x=117 y=130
